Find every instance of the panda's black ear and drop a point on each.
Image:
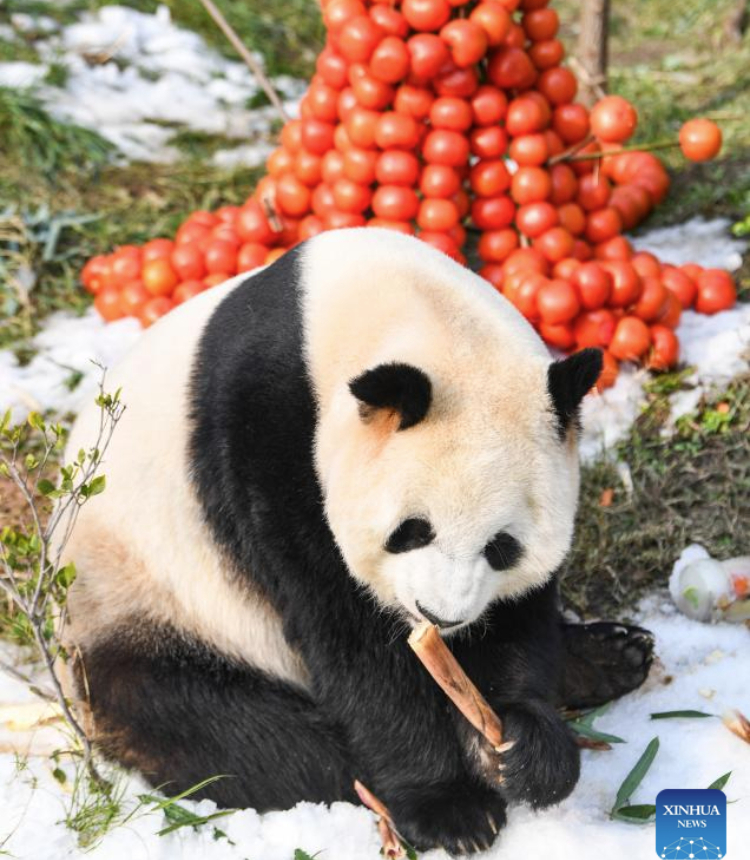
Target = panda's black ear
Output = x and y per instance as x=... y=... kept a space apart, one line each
x=400 y=388
x=569 y=381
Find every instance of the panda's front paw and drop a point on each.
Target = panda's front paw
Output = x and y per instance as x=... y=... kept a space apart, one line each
x=461 y=817
x=542 y=762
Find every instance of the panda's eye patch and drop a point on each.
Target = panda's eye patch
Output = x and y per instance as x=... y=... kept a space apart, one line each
x=503 y=551
x=411 y=534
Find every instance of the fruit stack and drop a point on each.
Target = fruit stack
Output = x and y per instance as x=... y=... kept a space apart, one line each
x=442 y=119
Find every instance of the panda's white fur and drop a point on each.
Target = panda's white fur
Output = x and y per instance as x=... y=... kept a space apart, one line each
x=488 y=461
x=143 y=547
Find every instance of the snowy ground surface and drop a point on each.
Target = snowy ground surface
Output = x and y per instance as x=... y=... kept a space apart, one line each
x=709 y=670
x=717 y=347
x=137 y=78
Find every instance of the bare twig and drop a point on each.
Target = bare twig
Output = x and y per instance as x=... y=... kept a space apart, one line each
x=249 y=59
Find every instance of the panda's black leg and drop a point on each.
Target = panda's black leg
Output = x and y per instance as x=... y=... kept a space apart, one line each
x=602 y=661
x=183 y=715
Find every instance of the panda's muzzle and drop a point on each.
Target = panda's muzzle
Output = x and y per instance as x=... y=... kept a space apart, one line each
x=440 y=622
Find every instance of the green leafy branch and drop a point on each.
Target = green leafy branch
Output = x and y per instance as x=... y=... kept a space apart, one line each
x=32 y=573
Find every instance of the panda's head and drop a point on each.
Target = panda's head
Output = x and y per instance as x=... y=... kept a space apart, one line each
x=447 y=443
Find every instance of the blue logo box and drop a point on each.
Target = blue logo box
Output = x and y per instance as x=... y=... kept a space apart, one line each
x=691 y=823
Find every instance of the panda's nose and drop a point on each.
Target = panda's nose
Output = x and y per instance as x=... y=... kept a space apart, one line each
x=430 y=616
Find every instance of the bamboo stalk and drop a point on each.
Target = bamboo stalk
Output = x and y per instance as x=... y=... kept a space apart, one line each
x=436 y=657
x=249 y=60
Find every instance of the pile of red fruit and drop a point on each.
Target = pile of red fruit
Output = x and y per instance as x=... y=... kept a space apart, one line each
x=434 y=117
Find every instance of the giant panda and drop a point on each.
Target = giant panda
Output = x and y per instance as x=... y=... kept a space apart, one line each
x=314 y=458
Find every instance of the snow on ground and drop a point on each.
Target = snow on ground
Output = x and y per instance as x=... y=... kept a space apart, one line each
x=703 y=667
x=137 y=78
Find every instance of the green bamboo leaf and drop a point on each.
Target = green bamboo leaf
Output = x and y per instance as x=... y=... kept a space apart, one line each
x=721 y=781
x=674 y=715
x=98 y=485
x=299 y=854
x=589 y=732
x=635 y=777
x=45 y=487
x=638 y=814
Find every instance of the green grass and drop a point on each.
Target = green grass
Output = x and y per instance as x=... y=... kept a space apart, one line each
x=691 y=487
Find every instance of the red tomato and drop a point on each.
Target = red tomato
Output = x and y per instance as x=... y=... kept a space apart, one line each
x=309 y=226
x=493 y=19
x=670 y=316
x=489 y=178
x=530 y=185
x=157 y=249
x=540 y=24
x=390 y=20
x=467 y=41
x=533 y=219
x=397 y=131
x=220 y=257
x=603 y=224
x=594 y=285
x=560 y=335
x=191 y=233
x=337 y=220
x=338 y=12
x=680 y=284
x=202 y=217
x=496 y=245
x=546 y=54
x=125 y=264
x=351 y=196
x=556 y=244
x=488 y=104
x=322 y=200
x=307 y=168
x=429 y=53
x=291 y=135
x=132 y=298
x=490 y=142
x=187 y=290
x=188 y=262
x=511 y=69
x=437 y=215
x=451 y=113
x=595 y=328
x=557 y=302
x=455 y=81
x=217 y=278
x=646 y=264
x=395 y=203
x=616 y=248
x=716 y=291
x=390 y=61
x=107 y=303
x=700 y=139
x=332 y=68
x=526 y=259
x=280 y=161
x=665 y=349
x=348 y=100
x=529 y=150
x=317 y=136
x=159 y=278
x=631 y=339
x=564 y=184
x=437 y=180
x=525 y=116
x=571 y=122
x=358 y=38
x=413 y=101
x=360 y=165
x=399 y=168
x=446 y=147
x=525 y=296
x=653 y=299
x=564 y=269
x=626 y=283
x=572 y=217
x=593 y=192
x=426 y=15
x=292 y=197
x=558 y=85
x=493 y=213
x=250 y=256
x=332 y=166
x=613 y=119
x=399 y=226
x=610 y=371
x=361 y=126
x=154 y=309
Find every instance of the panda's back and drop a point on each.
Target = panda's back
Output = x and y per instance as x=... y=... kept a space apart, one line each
x=145 y=558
